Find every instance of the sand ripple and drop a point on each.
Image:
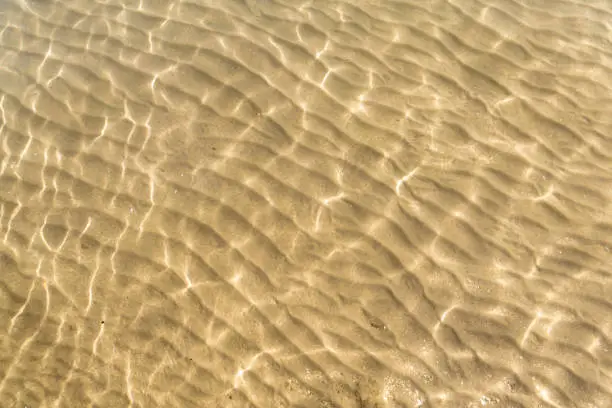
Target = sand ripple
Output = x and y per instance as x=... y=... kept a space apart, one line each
x=305 y=204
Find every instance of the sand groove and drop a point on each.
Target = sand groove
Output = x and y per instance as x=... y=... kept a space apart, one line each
x=305 y=204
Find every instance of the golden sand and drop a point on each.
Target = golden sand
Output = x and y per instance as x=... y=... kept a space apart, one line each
x=279 y=203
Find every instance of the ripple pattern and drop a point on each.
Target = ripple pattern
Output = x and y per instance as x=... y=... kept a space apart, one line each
x=303 y=203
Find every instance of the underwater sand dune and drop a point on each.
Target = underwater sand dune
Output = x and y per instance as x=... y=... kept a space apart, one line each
x=305 y=203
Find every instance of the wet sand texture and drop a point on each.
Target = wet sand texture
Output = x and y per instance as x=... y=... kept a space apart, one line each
x=278 y=203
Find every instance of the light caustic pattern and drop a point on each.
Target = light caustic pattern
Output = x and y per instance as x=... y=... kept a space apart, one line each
x=305 y=203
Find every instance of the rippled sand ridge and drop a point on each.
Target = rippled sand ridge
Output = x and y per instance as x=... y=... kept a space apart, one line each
x=279 y=203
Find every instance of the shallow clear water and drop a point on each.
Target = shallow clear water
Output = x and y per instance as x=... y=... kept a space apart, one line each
x=305 y=203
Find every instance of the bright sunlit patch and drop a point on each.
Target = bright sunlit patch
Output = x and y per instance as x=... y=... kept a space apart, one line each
x=545 y=394
x=396 y=36
x=446 y=312
x=239 y=378
x=319 y=53
x=404 y=179
x=282 y=56
x=530 y=327
x=359 y=107
x=327 y=201
x=236 y=278
x=458 y=214
x=595 y=344
x=322 y=84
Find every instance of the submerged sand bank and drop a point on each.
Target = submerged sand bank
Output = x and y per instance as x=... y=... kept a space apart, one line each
x=305 y=204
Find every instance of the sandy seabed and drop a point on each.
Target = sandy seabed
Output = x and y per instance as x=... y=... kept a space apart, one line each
x=278 y=203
